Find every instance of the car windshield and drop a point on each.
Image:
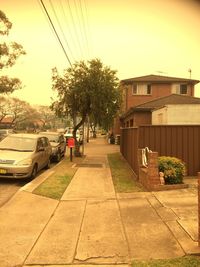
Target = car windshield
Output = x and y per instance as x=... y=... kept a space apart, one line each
x=18 y=143
x=52 y=137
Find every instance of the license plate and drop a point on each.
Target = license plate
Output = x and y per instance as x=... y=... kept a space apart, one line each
x=2 y=171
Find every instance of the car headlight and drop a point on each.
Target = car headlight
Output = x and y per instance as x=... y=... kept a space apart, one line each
x=26 y=162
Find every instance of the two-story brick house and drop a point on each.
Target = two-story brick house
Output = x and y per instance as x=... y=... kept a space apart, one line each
x=140 y=90
x=146 y=88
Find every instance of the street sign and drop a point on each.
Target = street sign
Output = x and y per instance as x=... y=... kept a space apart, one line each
x=71 y=142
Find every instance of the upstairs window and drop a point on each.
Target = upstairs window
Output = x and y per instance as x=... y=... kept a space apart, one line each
x=180 y=89
x=183 y=89
x=141 y=89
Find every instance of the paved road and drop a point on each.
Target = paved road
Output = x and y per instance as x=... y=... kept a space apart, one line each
x=8 y=187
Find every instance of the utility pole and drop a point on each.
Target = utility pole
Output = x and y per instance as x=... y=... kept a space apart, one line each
x=190 y=73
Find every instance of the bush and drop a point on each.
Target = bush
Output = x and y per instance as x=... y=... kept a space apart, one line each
x=173 y=168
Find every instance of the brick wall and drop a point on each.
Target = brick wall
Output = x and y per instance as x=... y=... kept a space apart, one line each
x=158 y=90
x=149 y=176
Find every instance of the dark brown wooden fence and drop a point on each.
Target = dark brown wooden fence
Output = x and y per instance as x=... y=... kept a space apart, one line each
x=181 y=141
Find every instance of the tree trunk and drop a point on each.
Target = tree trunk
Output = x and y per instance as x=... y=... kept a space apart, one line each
x=93 y=128
x=77 y=152
x=94 y=132
x=88 y=129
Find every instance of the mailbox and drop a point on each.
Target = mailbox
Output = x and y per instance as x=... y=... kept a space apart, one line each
x=71 y=142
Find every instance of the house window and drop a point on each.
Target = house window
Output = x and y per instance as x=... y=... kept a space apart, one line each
x=131 y=123
x=141 y=89
x=183 y=89
x=180 y=89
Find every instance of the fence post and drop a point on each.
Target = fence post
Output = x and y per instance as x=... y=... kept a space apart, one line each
x=199 y=209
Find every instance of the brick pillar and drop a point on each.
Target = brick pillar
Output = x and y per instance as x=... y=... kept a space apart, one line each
x=199 y=209
x=153 y=174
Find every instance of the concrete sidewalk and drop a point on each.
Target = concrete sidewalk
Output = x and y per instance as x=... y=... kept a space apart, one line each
x=92 y=225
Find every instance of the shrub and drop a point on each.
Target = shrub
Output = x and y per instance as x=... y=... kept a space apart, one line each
x=173 y=168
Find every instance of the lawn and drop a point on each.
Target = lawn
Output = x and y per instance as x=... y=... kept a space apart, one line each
x=124 y=179
x=55 y=185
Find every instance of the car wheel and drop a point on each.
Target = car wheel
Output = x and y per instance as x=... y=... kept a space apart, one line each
x=58 y=157
x=34 y=171
x=48 y=164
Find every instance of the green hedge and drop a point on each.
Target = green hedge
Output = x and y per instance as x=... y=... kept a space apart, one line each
x=173 y=168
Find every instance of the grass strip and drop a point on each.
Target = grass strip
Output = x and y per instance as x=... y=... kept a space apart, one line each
x=187 y=261
x=123 y=177
x=55 y=185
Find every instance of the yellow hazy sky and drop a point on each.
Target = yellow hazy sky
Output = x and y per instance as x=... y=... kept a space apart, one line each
x=134 y=37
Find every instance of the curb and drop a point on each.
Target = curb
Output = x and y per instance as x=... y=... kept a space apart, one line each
x=32 y=185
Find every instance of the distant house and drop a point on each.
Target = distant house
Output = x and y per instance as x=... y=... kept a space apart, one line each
x=139 y=90
x=6 y=122
x=171 y=109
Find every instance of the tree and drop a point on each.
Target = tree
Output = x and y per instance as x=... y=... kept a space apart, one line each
x=48 y=118
x=9 y=52
x=22 y=111
x=17 y=110
x=87 y=89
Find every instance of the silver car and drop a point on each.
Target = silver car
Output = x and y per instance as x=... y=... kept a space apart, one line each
x=23 y=155
x=5 y=132
x=58 y=144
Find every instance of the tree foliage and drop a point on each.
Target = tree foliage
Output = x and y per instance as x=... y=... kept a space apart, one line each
x=87 y=89
x=17 y=110
x=9 y=52
x=47 y=117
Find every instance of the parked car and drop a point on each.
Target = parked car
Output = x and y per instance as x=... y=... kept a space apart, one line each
x=23 y=155
x=69 y=134
x=58 y=144
x=5 y=132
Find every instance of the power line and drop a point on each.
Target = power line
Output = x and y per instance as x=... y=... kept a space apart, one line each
x=61 y=28
x=87 y=27
x=69 y=29
x=74 y=25
x=84 y=26
x=54 y=29
x=46 y=17
x=79 y=21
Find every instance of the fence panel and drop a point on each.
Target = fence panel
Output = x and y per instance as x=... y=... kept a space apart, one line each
x=181 y=141
x=129 y=146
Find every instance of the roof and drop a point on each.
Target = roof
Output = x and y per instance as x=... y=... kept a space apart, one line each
x=7 y=120
x=159 y=79
x=162 y=101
